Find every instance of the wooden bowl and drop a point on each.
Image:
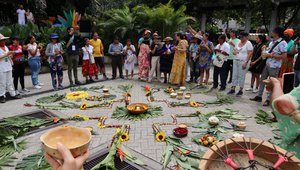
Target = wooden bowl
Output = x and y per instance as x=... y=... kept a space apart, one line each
x=137 y=108
x=180 y=93
x=241 y=125
x=180 y=132
x=241 y=158
x=74 y=138
x=106 y=95
x=183 y=125
x=188 y=95
x=105 y=90
x=173 y=95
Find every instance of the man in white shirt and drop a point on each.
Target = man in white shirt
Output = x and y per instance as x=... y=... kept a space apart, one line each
x=222 y=52
x=21 y=15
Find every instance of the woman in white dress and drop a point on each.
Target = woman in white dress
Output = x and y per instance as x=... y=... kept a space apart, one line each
x=130 y=57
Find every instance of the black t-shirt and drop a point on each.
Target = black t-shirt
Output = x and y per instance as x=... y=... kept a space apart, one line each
x=158 y=48
x=297 y=62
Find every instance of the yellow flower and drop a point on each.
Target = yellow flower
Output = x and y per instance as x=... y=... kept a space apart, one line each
x=77 y=115
x=86 y=118
x=148 y=93
x=83 y=106
x=160 y=137
x=129 y=94
x=118 y=130
x=77 y=95
x=100 y=125
x=193 y=104
x=124 y=137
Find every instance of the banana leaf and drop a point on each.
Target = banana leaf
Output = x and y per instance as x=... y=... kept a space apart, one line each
x=23 y=122
x=10 y=148
x=167 y=156
x=34 y=162
x=262 y=117
x=50 y=99
x=7 y=162
x=126 y=88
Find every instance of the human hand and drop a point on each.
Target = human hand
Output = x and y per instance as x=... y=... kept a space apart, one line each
x=10 y=53
x=252 y=63
x=270 y=83
x=69 y=162
x=244 y=66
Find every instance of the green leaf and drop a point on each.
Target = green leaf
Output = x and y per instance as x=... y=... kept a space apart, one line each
x=167 y=156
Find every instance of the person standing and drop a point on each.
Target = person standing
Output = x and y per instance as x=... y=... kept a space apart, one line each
x=296 y=49
x=89 y=68
x=6 y=82
x=276 y=51
x=34 y=61
x=21 y=15
x=155 y=57
x=233 y=41
x=287 y=63
x=194 y=59
x=178 y=72
x=242 y=52
x=143 y=59
x=98 y=53
x=220 y=63
x=147 y=34
x=166 y=58
x=257 y=63
x=130 y=58
x=116 y=52
x=29 y=16
x=54 y=51
x=18 y=64
x=206 y=49
x=72 y=44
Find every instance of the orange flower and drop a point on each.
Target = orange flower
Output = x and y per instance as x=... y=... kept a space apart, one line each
x=55 y=119
x=121 y=154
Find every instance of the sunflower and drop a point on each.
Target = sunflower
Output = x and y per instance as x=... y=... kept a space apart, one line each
x=77 y=95
x=86 y=118
x=193 y=104
x=77 y=115
x=100 y=125
x=160 y=137
x=83 y=106
x=118 y=130
x=124 y=137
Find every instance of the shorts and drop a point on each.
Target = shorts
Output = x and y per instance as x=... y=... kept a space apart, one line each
x=99 y=61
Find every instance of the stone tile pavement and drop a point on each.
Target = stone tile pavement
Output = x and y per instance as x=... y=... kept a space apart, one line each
x=141 y=134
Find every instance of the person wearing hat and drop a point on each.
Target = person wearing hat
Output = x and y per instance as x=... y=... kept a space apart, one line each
x=287 y=63
x=147 y=34
x=19 y=65
x=242 y=51
x=276 y=51
x=6 y=81
x=166 y=58
x=54 y=51
x=155 y=47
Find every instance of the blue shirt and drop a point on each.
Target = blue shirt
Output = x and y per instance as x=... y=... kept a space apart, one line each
x=279 y=49
x=115 y=48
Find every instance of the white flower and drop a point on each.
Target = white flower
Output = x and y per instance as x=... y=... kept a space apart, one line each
x=213 y=120
x=238 y=135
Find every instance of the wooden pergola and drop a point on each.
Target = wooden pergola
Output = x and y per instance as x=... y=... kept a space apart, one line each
x=208 y=5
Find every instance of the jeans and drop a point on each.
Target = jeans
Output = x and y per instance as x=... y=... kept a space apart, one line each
x=229 y=69
x=297 y=77
x=239 y=74
x=35 y=66
x=6 y=83
x=73 y=61
x=18 y=73
x=117 y=62
x=267 y=72
x=155 y=66
x=222 y=72
x=56 y=68
x=194 y=70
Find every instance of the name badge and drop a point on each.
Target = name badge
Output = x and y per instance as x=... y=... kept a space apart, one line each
x=73 y=48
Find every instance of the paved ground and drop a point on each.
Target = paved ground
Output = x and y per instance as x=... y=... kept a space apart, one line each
x=141 y=134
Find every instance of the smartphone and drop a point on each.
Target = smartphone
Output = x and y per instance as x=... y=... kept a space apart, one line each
x=288 y=82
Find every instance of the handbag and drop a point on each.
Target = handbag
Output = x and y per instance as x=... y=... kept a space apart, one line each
x=219 y=60
x=91 y=57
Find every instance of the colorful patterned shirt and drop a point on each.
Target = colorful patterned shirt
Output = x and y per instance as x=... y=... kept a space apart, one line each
x=279 y=49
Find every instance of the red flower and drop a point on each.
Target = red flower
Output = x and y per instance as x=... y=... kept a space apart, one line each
x=147 y=88
x=55 y=119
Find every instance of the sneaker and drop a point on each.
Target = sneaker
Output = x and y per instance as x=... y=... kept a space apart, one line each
x=113 y=78
x=256 y=98
x=231 y=92
x=17 y=91
x=60 y=87
x=249 y=89
x=25 y=90
x=122 y=77
x=37 y=87
x=18 y=96
x=240 y=93
x=255 y=90
x=92 y=80
x=2 y=99
x=222 y=89
x=77 y=82
x=71 y=84
x=41 y=84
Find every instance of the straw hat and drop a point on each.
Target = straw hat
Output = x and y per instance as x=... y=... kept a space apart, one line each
x=168 y=39
x=3 y=38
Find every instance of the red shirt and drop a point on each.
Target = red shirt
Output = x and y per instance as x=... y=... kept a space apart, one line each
x=18 y=54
